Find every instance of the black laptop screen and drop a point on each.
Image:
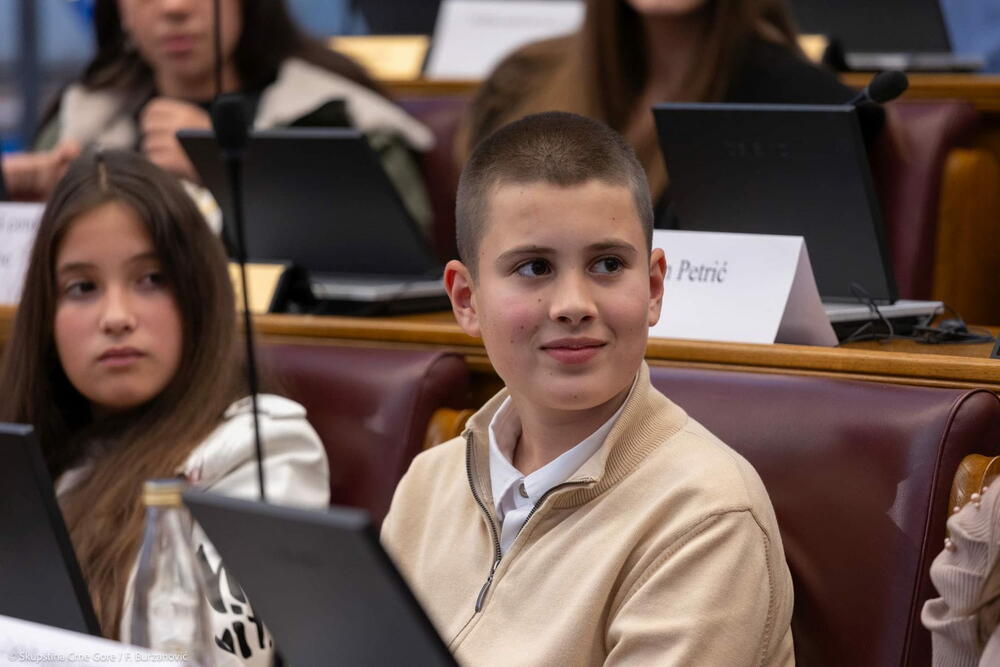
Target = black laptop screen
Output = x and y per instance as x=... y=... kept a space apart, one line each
x=40 y=579
x=319 y=199
x=793 y=170
x=876 y=26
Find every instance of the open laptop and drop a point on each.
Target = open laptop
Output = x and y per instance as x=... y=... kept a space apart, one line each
x=885 y=34
x=40 y=579
x=797 y=170
x=399 y=17
x=321 y=583
x=320 y=200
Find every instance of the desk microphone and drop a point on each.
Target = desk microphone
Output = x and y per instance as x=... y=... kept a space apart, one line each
x=884 y=87
x=229 y=121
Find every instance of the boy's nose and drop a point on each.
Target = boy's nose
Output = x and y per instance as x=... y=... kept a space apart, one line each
x=572 y=302
x=117 y=316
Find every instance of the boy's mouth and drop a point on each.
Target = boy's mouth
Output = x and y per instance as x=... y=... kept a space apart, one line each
x=573 y=350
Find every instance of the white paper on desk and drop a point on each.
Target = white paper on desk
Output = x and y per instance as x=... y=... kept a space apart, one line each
x=23 y=642
x=18 y=227
x=743 y=288
x=472 y=36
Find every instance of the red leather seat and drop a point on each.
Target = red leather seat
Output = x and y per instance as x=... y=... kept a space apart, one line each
x=907 y=164
x=371 y=408
x=859 y=474
x=442 y=115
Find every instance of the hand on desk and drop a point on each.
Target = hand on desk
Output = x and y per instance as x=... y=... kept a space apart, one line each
x=159 y=122
x=31 y=176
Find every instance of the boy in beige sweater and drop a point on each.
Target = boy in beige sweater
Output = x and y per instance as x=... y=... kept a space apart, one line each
x=582 y=518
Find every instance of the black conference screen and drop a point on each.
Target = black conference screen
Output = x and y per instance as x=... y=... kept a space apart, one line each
x=876 y=26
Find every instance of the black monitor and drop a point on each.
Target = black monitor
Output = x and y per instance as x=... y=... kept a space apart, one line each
x=876 y=26
x=399 y=17
x=319 y=199
x=797 y=170
x=321 y=582
x=40 y=579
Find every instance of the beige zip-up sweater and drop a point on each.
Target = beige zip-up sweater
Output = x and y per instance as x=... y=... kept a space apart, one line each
x=662 y=549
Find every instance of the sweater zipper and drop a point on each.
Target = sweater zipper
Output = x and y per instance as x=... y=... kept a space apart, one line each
x=497 y=553
x=494 y=534
x=489 y=580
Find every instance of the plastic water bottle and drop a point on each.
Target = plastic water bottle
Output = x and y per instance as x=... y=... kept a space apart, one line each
x=170 y=613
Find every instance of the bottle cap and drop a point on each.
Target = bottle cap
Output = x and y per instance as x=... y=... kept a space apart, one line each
x=163 y=492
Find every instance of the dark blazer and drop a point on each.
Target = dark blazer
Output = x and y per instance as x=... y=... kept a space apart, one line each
x=770 y=73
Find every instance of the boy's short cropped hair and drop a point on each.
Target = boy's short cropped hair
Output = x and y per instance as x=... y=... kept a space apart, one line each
x=555 y=147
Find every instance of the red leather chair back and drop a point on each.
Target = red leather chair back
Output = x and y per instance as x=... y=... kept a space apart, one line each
x=371 y=408
x=442 y=115
x=859 y=475
x=907 y=164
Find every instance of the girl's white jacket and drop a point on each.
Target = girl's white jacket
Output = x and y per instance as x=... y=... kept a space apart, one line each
x=296 y=473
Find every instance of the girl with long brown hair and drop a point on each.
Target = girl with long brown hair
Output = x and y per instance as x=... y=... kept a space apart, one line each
x=124 y=357
x=154 y=73
x=631 y=54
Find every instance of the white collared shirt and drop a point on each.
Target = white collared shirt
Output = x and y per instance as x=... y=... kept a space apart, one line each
x=515 y=494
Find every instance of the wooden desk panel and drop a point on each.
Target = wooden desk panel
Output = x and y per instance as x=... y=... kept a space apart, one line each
x=902 y=362
x=983 y=90
x=6 y=322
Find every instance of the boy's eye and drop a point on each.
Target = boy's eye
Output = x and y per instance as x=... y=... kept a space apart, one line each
x=534 y=268
x=608 y=265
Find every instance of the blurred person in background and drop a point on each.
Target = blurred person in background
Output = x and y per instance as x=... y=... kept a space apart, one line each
x=154 y=73
x=631 y=54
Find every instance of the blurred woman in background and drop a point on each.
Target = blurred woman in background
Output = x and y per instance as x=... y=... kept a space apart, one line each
x=631 y=54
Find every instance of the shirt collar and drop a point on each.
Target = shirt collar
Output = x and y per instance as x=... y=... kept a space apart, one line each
x=504 y=431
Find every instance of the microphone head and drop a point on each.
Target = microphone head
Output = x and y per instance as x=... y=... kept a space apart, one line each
x=229 y=121
x=887 y=86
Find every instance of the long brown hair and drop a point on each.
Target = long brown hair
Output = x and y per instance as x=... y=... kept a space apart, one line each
x=103 y=513
x=268 y=38
x=602 y=71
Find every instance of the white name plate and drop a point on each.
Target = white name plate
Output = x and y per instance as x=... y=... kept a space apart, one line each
x=26 y=643
x=741 y=288
x=472 y=36
x=18 y=227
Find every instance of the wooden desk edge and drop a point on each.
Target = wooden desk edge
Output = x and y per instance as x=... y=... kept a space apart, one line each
x=983 y=90
x=874 y=365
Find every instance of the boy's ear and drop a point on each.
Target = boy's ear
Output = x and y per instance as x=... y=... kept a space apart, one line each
x=657 y=270
x=459 y=285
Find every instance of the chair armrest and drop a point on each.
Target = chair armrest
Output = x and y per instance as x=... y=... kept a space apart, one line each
x=445 y=424
x=974 y=472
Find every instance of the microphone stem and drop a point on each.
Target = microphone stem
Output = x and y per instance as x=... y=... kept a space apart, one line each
x=234 y=164
x=217 y=46
x=860 y=97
